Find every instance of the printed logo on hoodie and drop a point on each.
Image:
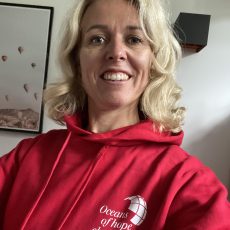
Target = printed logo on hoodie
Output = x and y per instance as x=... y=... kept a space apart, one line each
x=139 y=207
x=121 y=219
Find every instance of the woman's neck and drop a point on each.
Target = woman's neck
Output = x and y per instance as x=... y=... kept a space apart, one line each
x=103 y=121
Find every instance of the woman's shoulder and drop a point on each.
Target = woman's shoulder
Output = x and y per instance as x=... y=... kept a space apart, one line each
x=39 y=144
x=172 y=158
x=51 y=136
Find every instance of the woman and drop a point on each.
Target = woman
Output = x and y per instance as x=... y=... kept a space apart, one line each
x=118 y=165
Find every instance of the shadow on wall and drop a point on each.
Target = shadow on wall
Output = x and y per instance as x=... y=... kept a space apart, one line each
x=214 y=150
x=187 y=52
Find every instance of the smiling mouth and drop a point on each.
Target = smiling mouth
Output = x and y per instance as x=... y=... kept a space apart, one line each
x=115 y=76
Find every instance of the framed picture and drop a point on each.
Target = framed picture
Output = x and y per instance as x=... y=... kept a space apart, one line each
x=25 y=33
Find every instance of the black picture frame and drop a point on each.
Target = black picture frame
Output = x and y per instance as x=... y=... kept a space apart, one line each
x=24 y=57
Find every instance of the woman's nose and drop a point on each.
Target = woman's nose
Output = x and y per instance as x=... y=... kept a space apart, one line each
x=116 y=50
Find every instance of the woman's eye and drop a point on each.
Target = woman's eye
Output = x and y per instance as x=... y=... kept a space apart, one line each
x=133 y=40
x=97 y=40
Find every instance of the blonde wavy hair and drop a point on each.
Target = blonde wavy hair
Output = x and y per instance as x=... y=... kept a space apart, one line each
x=160 y=98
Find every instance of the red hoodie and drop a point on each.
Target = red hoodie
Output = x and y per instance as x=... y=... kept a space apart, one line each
x=129 y=178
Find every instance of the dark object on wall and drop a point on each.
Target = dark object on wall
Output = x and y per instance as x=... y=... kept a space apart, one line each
x=192 y=30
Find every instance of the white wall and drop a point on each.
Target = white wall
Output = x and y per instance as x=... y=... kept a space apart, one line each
x=205 y=77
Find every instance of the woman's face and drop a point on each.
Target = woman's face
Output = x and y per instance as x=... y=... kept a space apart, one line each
x=115 y=56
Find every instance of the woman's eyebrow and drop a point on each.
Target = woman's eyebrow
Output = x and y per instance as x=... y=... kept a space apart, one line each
x=97 y=26
x=134 y=28
x=105 y=27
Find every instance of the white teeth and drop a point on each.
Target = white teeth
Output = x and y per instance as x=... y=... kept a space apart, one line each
x=116 y=76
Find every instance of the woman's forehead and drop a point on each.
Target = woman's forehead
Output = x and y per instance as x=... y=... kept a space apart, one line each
x=107 y=12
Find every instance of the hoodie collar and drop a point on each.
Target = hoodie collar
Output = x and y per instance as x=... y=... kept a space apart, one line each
x=129 y=135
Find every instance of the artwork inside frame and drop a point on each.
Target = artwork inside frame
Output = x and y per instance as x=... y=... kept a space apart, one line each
x=25 y=33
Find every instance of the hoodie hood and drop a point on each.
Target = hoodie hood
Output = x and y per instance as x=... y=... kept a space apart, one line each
x=129 y=135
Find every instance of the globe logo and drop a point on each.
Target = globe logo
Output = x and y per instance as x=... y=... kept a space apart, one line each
x=139 y=207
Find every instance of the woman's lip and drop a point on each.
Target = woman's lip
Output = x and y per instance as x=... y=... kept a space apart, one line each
x=112 y=76
x=103 y=77
x=117 y=71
